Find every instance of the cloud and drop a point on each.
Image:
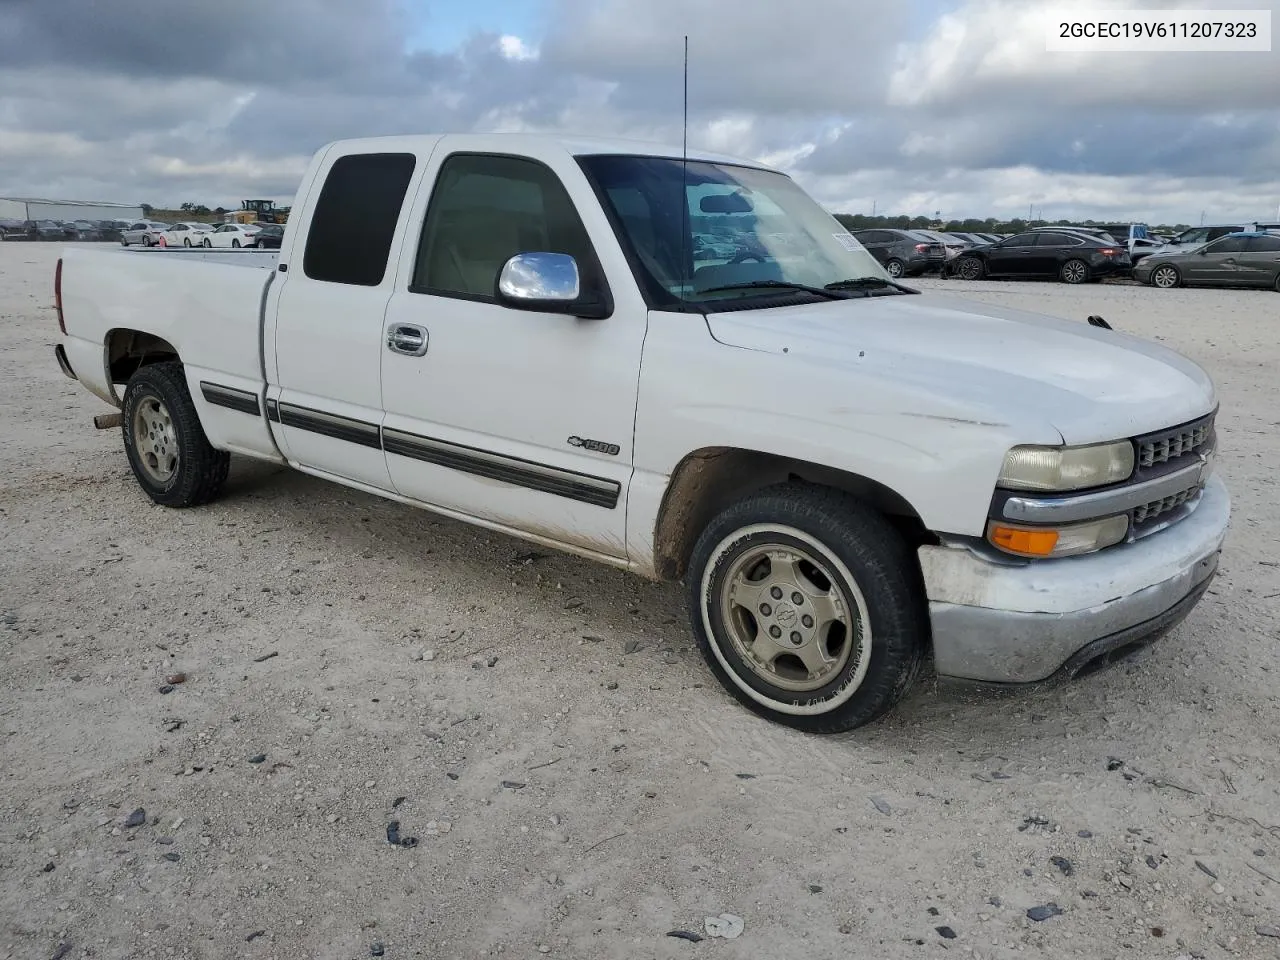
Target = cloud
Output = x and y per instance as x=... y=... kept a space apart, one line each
x=916 y=106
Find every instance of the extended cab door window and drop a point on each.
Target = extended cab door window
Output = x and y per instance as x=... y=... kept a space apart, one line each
x=329 y=317
x=523 y=417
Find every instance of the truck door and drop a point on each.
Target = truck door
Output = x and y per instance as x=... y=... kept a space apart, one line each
x=517 y=417
x=325 y=401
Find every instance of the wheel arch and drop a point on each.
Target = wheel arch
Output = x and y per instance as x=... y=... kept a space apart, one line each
x=127 y=350
x=709 y=479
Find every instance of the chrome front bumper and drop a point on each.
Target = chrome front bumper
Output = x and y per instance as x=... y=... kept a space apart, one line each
x=1026 y=624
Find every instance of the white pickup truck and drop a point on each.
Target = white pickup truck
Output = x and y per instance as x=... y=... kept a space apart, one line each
x=849 y=475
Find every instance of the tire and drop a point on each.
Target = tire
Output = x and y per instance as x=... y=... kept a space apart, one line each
x=1074 y=271
x=206 y=242
x=1166 y=276
x=895 y=268
x=970 y=268
x=1276 y=286
x=843 y=559
x=166 y=446
x=235 y=243
x=186 y=241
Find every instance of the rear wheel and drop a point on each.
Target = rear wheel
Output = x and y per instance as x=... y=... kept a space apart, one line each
x=807 y=606
x=171 y=457
x=895 y=268
x=1074 y=271
x=235 y=243
x=186 y=241
x=1166 y=276
x=206 y=242
x=970 y=268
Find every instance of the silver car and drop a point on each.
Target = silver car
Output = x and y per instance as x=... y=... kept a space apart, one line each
x=144 y=232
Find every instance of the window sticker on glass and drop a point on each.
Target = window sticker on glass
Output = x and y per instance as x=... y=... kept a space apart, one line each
x=847 y=240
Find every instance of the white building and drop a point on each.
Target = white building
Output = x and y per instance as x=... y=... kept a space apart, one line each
x=30 y=208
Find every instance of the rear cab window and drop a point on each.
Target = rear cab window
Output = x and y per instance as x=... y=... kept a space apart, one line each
x=354 y=223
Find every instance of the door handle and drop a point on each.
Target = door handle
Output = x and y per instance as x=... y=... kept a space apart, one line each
x=407 y=338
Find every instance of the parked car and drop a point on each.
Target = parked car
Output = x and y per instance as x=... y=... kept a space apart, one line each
x=953 y=246
x=1046 y=254
x=846 y=473
x=112 y=229
x=1140 y=249
x=144 y=232
x=270 y=235
x=45 y=230
x=186 y=234
x=903 y=253
x=230 y=235
x=13 y=230
x=85 y=230
x=1194 y=237
x=1236 y=260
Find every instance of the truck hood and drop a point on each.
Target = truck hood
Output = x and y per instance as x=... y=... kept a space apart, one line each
x=982 y=361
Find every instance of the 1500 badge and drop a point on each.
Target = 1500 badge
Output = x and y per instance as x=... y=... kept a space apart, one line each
x=596 y=446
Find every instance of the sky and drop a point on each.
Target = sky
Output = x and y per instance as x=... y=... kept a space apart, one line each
x=911 y=106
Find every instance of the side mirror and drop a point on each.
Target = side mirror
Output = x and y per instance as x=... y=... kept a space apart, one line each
x=546 y=282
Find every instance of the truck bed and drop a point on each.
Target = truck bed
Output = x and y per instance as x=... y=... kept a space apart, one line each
x=206 y=304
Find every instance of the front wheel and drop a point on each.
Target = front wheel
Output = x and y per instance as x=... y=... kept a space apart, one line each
x=235 y=243
x=970 y=268
x=1075 y=271
x=186 y=241
x=206 y=242
x=171 y=457
x=895 y=268
x=808 y=607
x=1165 y=277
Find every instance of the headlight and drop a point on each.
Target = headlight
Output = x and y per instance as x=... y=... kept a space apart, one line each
x=1051 y=469
x=1066 y=541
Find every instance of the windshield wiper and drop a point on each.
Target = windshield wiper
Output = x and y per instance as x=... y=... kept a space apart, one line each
x=868 y=283
x=829 y=292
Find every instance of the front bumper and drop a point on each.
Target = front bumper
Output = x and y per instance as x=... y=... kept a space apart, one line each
x=1050 y=619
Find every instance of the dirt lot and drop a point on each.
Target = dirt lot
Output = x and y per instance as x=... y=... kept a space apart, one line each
x=414 y=666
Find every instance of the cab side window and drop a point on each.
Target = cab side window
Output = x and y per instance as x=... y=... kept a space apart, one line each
x=484 y=210
x=355 y=218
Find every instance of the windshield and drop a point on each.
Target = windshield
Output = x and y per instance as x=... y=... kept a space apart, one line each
x=689 y=234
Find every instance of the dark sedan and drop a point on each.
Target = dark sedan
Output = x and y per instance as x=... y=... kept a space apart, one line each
x=1046 y=255
x=269 y=237
x=903 y=253
x=1238 y=260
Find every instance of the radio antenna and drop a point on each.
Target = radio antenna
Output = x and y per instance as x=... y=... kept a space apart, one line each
x=685 y=240
x=685 y=143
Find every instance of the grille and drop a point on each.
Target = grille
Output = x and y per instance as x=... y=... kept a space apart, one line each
x=1149 y=511
x=1171 y=444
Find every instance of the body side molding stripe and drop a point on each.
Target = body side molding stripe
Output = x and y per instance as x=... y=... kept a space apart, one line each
x=328 y=424
x=514 y=470
x=231 y=398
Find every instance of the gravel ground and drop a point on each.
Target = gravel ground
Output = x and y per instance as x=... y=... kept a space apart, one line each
x=577 y=783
